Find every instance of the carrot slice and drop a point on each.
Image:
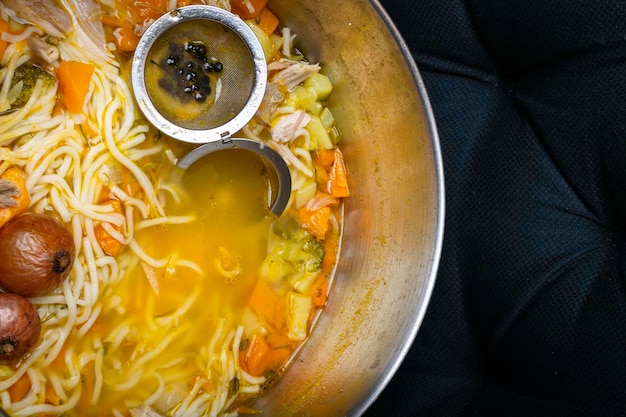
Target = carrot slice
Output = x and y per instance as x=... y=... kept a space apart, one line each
x=141 y=12
x=109 y=245
x=331 y=246
x=116 y=22
x=325 y=157
x=266 y=303
x=20 y=388
x=281 y=348
x=21 y=201
x=74 y=79
x=319 y=291
x=338 y=178
x=247 y=9
x=125 y=39
x=268 y=22
x=315 y=222
x=256 y=358
x=4 y=27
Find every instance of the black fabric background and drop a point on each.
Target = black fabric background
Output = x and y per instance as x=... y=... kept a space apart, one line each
x=528 y=314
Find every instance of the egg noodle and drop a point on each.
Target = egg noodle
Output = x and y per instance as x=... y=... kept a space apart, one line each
x=77 y=166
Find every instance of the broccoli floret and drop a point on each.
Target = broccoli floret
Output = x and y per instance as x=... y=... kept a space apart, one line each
x=28 y=74
x=292 y=248
x=305 y=252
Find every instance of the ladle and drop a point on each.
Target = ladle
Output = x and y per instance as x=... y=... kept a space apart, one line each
x=199 y=75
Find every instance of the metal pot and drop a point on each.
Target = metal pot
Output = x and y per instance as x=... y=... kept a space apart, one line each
x=393 y=219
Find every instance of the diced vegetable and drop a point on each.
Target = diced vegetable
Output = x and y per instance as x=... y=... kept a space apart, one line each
x=266 y=303
x=319 y=291
x=268 y=21
x=337 y=182
x=319 y=135
x=24 y=80
x=4 y=27
x=122 y=34
x=247 y=9
x=300 y=249
x=143 y=11
x=125 y=39
x=110 y=245
x=298 y=311
x=338 y=179
x=319 y=85
x=281 y=348
x=305 y=193
x=256 y=358
x=74 y=80
x=325 y=158
x=20 y=388
x=303 y=282
x=327 y=118
x=331 y=247
x=315 y=222
x=303 y=99
x=16 y=199
x=274 y=268
x=266 y=42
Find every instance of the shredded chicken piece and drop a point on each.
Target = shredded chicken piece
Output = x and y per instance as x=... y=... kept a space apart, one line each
x=8 y=192
x=89 y=30
x=288 y=75
x=271 y=99
x=294 y=74
x=44 y=14
x=89 y=14
x=285 y=128
x=291 y=159
x=151 y=275
x=43 y=50
x=281 y=64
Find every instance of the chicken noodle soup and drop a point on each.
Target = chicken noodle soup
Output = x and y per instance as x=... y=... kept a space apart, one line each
x=186 y=296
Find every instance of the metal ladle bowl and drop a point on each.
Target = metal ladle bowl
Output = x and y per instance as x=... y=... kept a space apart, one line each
x=232 y=99
x=278 y=174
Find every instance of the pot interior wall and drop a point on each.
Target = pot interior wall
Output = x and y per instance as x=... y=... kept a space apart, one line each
x=393 y=219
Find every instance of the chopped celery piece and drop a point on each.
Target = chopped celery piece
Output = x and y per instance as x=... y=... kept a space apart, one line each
x=327 y=118
x=319 y=135
x=298 y=310
x=303 y=282
x=319 y=85
x=273 y=268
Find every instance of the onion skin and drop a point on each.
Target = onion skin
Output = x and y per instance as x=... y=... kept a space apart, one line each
x=36 y=254
x=20 y=327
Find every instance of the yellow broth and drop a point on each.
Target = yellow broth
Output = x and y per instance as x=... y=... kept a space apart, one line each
x=227 y=192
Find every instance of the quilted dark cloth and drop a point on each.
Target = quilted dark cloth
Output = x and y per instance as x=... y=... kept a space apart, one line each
x=528 y=314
